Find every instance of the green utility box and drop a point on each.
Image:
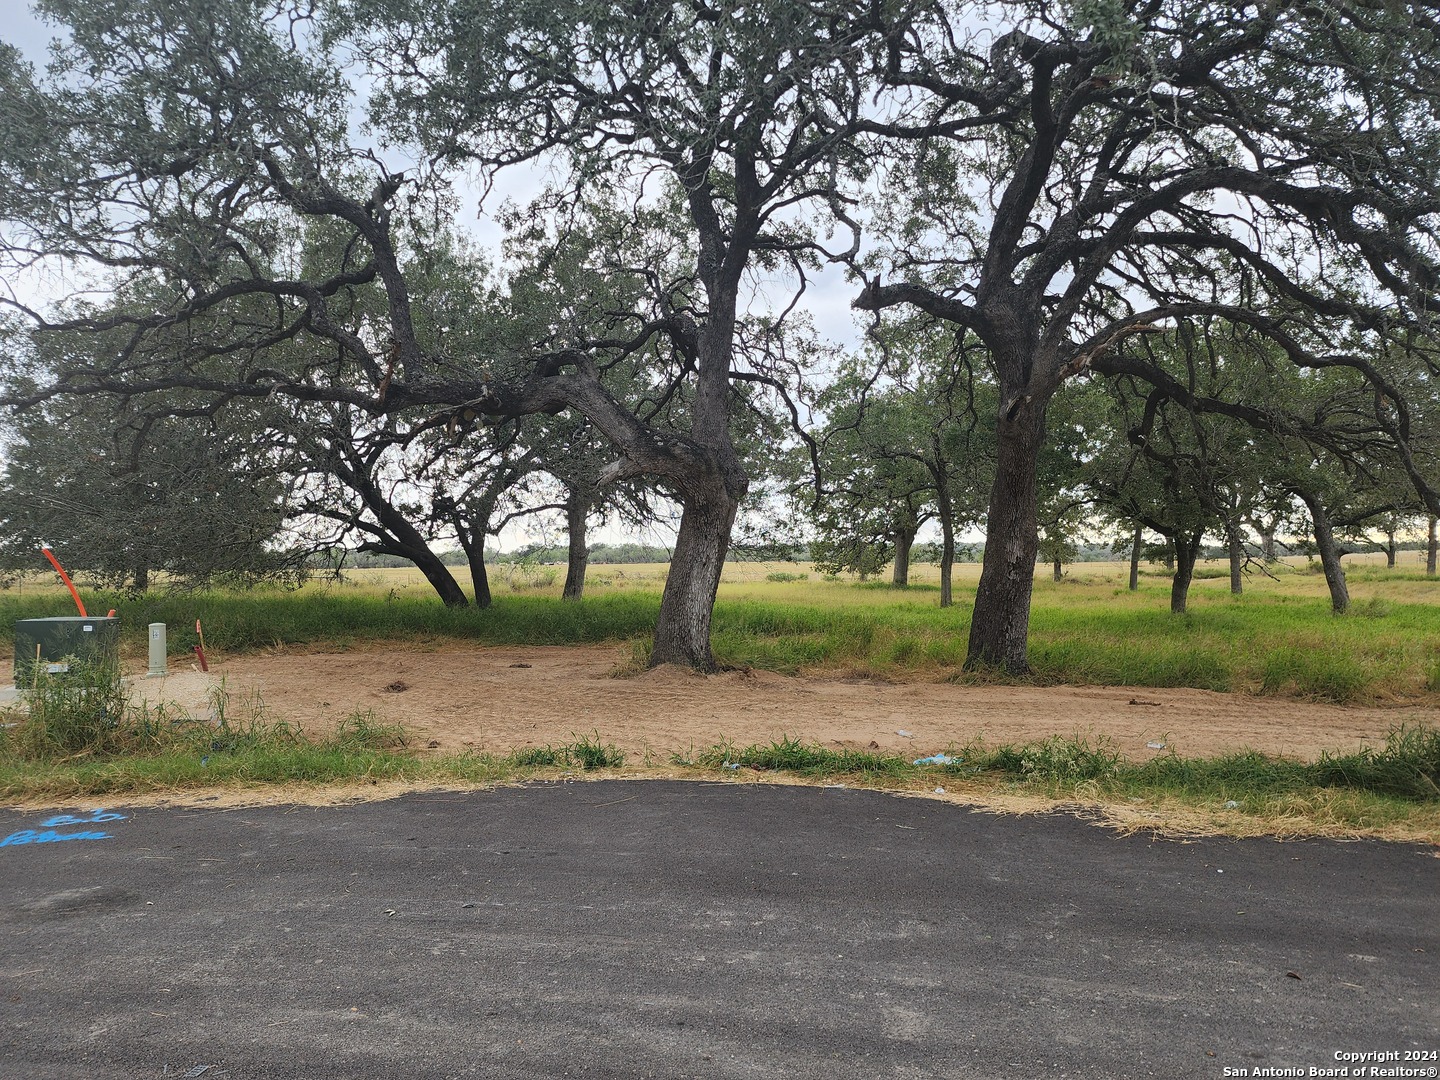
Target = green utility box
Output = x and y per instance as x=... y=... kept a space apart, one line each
x=61 y=640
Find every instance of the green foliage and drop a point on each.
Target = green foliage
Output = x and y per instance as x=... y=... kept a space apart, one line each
x=362 y=730
x=586 y=752
x=1306 y=672
x=124 y=498
x=262 y=618
x=600 y=554
x=807 y=759
x=78 y=711
x=1274 y=640
x=1056 y=760
x=538 y=757
x=86 y=715
x=589 y=752
x=1408 y=767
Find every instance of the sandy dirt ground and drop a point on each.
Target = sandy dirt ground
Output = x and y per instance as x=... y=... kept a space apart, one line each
x=499 y=699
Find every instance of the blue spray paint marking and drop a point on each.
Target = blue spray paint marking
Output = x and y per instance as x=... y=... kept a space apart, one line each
x=50 y=836
x=30 y=836
x=95 y=817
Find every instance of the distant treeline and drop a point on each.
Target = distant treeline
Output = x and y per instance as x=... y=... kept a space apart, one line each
x=604 y=554
x=600 y=553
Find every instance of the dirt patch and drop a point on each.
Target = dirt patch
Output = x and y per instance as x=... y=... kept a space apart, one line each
x=503 y=698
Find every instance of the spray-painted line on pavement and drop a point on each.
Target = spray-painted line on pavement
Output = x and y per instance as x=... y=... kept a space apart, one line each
x=50 y=824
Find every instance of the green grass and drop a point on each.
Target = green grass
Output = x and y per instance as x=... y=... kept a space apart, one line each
x=790 y=755
x=1377 y=791
x=1407 y=768
x=264 y=617
x=1278 y=638
x=174 y=753
x=586 y=752
x=80 y=740
x=77 y=736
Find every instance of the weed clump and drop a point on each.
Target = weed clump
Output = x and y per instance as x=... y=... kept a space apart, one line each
x=78 y=709
x=1058 y=761
x=362 y=730
x=586 y=752
x=808 y=759
x=1408 y=767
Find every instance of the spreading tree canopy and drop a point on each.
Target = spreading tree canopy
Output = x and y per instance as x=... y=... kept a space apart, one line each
x=1052 y=178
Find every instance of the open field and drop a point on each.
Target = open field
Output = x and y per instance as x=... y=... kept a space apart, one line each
x=1279 y=638
x=1235 y=712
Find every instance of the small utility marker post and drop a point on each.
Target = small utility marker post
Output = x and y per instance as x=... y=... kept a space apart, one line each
x=157 y=651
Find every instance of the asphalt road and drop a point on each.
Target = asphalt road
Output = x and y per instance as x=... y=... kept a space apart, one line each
x=632 y=929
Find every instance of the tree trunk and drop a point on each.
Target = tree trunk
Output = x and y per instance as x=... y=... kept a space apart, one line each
x=1430 y=550
x=397 y=536
x=947 y=564
x=142 y=578
x=472 y=541
x=904 y=541
x=946 y=511
x=438 y=575
x=1236 y=544
x=1390 y=548
x=1135 y=560
x=1187 y=550
x=479 y=575
x=1000 y=627
x=577 y=509
x=1057 y=569
x=1267 y=544
x=1329 y=553
x=682 y=633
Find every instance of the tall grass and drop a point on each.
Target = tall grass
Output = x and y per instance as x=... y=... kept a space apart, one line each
x=1370 y=790
x=261 y=618
x=1279 y=638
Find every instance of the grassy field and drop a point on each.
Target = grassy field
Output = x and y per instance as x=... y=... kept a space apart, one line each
x=1278 y=638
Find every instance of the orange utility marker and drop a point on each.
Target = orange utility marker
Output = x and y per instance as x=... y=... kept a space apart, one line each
x=65 y=578
x=200 y=649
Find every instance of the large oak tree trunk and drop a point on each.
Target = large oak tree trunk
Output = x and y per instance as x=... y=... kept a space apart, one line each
x=709 y=493
x=1135 y=560
x=1000 y=626
x=682 y=633
x=439 y=576
x=1431 y=549
x=577 y=509
x=1391 y=547
x=904 y=541
x=1187 y=550
x=1329 y=553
